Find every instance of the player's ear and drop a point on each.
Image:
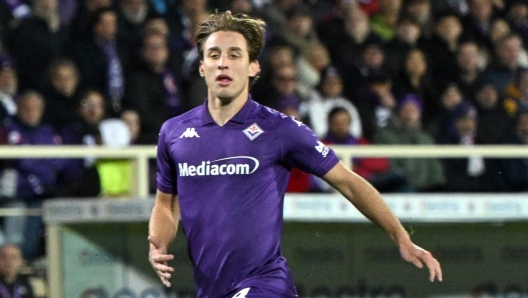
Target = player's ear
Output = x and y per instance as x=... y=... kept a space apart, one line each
x=254 y=68
x=201 y=70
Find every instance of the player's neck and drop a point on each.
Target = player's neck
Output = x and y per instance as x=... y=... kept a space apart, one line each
x=223 y=110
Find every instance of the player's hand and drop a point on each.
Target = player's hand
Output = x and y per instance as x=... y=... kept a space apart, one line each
x=159 y=258
x=417 y=256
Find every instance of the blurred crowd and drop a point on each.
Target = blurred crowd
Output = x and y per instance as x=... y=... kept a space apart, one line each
x=414 y=72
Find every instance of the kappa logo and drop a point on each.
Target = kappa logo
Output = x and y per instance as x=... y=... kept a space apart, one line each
x=189 y=133
x=253 y=131
x=321 y=148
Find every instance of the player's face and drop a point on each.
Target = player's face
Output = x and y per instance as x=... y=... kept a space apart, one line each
x=226 y=66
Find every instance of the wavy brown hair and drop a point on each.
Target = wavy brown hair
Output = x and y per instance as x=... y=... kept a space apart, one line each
x=251 y=29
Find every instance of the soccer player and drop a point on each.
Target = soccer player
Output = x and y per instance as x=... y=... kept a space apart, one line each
x=223 y=168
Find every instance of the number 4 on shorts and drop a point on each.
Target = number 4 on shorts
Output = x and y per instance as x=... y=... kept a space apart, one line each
x=242 y=293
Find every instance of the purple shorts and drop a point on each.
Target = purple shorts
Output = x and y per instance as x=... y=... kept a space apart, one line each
x=271 y=281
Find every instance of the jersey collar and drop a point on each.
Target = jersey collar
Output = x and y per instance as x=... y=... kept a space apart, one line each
x=239 y=117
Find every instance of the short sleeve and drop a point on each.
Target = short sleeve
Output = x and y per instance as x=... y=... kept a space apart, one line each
x=165 y=169
x=303 y=150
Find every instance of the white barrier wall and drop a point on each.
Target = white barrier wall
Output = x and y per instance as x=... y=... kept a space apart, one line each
x=330 y=246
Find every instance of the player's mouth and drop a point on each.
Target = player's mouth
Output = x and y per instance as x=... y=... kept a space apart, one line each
x=223 y=79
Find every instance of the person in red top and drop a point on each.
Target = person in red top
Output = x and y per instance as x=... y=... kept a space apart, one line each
x=375 y=170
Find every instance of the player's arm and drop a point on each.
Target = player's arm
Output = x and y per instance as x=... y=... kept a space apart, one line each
x=369 y=202
x=163 y=225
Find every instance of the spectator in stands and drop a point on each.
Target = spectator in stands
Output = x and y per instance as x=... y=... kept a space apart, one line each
x=469 y=67
x=375 y=170
x=415 y=78
x=385 y=19
x=60 y=92
x=408 y=32
x=420 y=11
x=313 y=60
x=493 y=120
x=517 y=92
x=474 y=173
x=375 y=104
x=80 y=25
x=133 y=121
x=299 y=31
x=443 y=46
x=327 y=96
x=157 y=24
x=346 y=35
x=80 y=177
x=11 y=14
x=91 y=177
x=277 y=54
x=514 y=171
x=12 y=282
x=371 y=62
x=133 y=16
x=478 y=22
x=182 y=17
x=283 y=88
x=8 y=88
x=275 y=14
x=499 y=29
x=103 y=58
x=194 y=87
x=153 y=90
x=450 y=97
x=502 y=69
x=38 y=41
x=405 y=128
x=517 y=17
x=36 y=178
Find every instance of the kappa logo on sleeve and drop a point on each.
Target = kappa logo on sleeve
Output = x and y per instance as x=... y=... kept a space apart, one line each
x=189 y=133
x=321 y=148
x=253 y=131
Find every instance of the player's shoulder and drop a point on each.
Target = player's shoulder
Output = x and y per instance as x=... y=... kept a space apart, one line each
x=273 y=118
x=188 y=118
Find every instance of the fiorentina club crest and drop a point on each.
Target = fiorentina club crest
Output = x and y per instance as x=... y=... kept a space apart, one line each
x=253 y=131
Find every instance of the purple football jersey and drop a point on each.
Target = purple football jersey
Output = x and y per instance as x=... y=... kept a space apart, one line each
x=231 y=181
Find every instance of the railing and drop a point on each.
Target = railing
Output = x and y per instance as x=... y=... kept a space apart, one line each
x=141 y=154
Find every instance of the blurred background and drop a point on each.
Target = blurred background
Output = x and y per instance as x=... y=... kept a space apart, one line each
x=427 y=100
